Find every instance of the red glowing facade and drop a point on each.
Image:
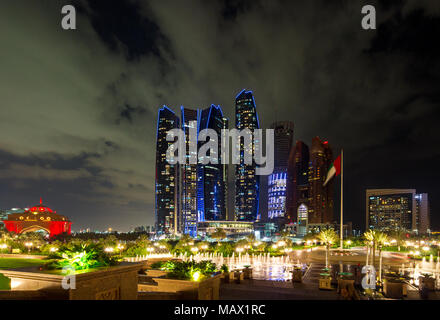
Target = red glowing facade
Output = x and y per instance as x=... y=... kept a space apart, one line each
x=38 y=218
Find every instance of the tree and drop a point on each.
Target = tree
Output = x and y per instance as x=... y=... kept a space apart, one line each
x=373 y=237
x=381 y=240
x=398 y=235
x=327 y=237
x=250 y=238
x=310 y=236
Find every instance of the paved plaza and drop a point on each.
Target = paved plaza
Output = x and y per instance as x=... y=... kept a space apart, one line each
x=286 y=290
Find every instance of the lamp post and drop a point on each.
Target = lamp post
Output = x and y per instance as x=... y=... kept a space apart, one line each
x=380 y=264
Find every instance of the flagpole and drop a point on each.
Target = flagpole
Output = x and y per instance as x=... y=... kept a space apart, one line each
x=342 y=200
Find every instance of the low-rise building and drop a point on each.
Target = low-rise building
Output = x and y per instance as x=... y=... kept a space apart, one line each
x=231 y=228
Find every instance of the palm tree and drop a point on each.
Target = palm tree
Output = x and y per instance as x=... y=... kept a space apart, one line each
x=381 y=240
x=327 y=237
x=371 y=237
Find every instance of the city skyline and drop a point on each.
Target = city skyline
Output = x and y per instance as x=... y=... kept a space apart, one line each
x=79 y=108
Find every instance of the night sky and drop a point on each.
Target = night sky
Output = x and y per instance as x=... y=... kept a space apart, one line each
x=79 y=107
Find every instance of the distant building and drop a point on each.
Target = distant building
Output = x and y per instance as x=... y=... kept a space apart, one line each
x=265 y=230
x=277 y=181
x=298 y=183
x=320 y=209
x=395 y=209
x=247 y=183
x=3 y=216
x=231 y=228
x=318 y=227
x=38 y=218
x=144 y=229
x=423 y=223
x=302 y=220
x=167 y=176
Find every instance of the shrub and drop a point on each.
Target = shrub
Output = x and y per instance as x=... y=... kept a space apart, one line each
x=81 y=257
x=189 y=270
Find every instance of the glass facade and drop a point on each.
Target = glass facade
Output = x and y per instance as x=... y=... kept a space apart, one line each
x=189 y=214
x=320 y=197
x=212 y=178
x=391 y=212
x=247 y=184
x=297 y=180
x=277 y=195
x=167 y=184
x=237 y=228
x=277 y=181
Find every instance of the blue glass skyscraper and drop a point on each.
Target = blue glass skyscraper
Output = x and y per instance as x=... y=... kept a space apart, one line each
x=167 y=182
x=212 y=178
x=188 y=174
x=247 y=183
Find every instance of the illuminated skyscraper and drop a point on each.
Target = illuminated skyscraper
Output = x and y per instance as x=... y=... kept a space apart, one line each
x=167 y=182
x=212 y=178
x=247 y=184
x=188 y=174
x=298 y=182
x=320 y=197
x=283 y=140
x=225 y=173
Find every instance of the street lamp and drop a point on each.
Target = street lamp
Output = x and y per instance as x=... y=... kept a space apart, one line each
x=150 y=249
x=29 y=246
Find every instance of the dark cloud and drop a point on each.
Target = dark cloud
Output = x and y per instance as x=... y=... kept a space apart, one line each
x=79 y=108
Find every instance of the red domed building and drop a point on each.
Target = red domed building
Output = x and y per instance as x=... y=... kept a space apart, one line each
x=38 y=218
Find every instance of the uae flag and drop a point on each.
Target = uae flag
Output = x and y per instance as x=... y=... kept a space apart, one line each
x=335 y=169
